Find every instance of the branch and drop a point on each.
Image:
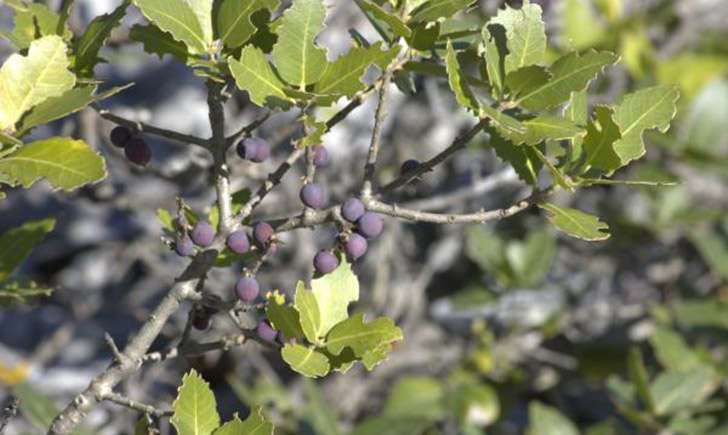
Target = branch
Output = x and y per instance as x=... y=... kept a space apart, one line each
x=150 y=129
x=459 y=143
x=102 y=384
x=9 y=413
x=246 y=130
x=218 y=147
x=133 y=404
x=379 y=116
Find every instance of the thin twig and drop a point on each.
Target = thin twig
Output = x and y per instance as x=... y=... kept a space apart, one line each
x=114 y=349
x=459 y=143
x=135 y=405
x=379 y=115
x=246 y=130
x=150 y=129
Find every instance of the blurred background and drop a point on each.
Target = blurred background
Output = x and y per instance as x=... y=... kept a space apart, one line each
x=508 y=326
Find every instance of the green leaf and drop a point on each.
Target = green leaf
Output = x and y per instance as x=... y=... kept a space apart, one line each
x=576 y=223
x=531 y=259
x=495 y=50
x=233 y=20
x=177 y=18
x=21 y=292
x=26 y=81
x=36 y=18
x=705 y=313
x=524 y=160
x=159 y=42
x=639 y=378
x=416 y=396
x=195 y=410
x=463 y=94
x=525 y=33
x=306 y=361
x=362 y=337
x=526 y=78
x=545 y=420
x=255 y=424
x=577 y=111
x=601 y=134
x=672 y=351
x=284 y=318
x=86 y=48
x=254 y=74
x=58 y=107
x=558 y=175
x=549 y=127
x=713 y=249
x=298 y=60
x=570 y=73
x=387 y=425
x=643 y=110
x=309 y=313
x=203 y=11
x=397 y=26
x=676 y=390
x=322 y=416
x=64 y=162
x=434 y=10
x=334 y=291
x=581 y=26
x=424 y=36
x=343 y=75
x=17 y=243
x=507 y=126
x=476 y=405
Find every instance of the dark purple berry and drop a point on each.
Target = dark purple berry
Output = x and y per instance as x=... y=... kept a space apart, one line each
x=320 y=156
x=262 y=232
x=138 y=152
x=203 y=234
x=184 y=246
x=266 y=332
x=352 y=209
x=356 y=246
x=120 y=136
x=247 y=288
x=254 y=149
x=325 y=262
x=201 y=320
x=238 y=242
x=370 y=225
x=312 y=195
x=409 y=165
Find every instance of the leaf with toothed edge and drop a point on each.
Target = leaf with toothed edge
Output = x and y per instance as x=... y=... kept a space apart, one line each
x=156 y=41
x=233 y=20
x=254 y=74
x=576 y=223
x=195 y=407
x=177 y=18
x=86 y=48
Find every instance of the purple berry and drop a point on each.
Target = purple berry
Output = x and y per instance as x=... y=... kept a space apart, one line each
x=352 y=209
x=203 y=234
x=355 y=246
x=262 y=232
x=266 y=332
x=254 y=149
x=325 y=262
x=312 y=195
x=370 y=225
x=409 y=165
x=201 y=320
x=184 y=246
x=320 y=156
x=238 y=242
x=120 y=136
x=138 y=152
x=247 y=288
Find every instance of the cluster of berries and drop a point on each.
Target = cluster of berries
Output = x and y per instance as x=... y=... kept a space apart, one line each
x=136 y=150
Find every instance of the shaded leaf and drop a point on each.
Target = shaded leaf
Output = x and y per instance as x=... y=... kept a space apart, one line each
x=86 y=48
x=549 y=127
x=545 y=420
x=297 y=58
x=416 y=396
x=306 y=361
x=524 y=160
x=323 y=416
x=284 y=318
x=602 y=133
x=64 y=162
x=570 y=73
x=343 y=75
x=434 y=10
x=463 y=94
x=577 y=111
x=639 y=378
x=675 y=390
x=26 y=81
x=195 y=410
x=156 y=41
x=254 y=74
x=233 y=21
x=255 y=424
x=397 y=26
x=576 y=223
x=17 y=243
x=672 y=351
